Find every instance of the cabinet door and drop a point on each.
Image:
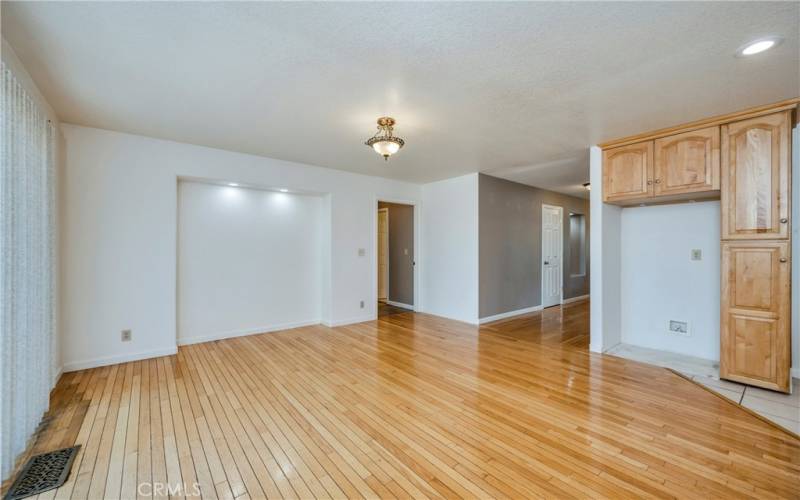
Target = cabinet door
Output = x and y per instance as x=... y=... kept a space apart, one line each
x=687 y=163
x=756 y=178
x=628 y=172
x=755 y=325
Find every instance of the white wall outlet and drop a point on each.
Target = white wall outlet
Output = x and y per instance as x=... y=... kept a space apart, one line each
x=126 y=335
x=697 y=254
x=362 y=252
x=678 y=327
x=405 y=251
x=362 y=304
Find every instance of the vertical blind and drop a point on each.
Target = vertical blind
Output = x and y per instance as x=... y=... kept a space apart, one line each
x=27 y=268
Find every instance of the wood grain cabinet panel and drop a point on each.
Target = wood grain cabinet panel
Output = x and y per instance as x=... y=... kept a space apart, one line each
x=755 y=185
x=628 y=172
x=755 y=326
x=687 y=162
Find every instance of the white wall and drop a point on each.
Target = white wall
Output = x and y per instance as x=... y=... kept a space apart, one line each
x=659 y=281
x=604 y=249
x=249 y=261
x=450 y=248
x=119 y=249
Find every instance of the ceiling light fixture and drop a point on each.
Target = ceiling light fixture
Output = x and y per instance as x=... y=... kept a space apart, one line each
x=233 y=184
x=384 y=142
x=758 y=46
x=283 y=190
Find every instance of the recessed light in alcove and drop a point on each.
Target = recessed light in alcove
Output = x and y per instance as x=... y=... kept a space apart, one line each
x=758 y=46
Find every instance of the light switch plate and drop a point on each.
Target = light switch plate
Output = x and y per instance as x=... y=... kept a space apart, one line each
x=362 y=252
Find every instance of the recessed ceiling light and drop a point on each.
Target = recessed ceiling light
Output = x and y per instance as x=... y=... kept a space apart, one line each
x=233 y=184
x=758 y=46
x=283 y=190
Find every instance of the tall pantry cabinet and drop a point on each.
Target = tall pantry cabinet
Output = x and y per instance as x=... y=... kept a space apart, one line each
x=755 y=331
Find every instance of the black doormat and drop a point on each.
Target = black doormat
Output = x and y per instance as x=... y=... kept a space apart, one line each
x=42 y=473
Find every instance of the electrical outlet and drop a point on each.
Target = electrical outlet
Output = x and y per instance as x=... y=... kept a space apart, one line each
x=362 y=252
x=678 y=327
x=126 y=335
x=362 y=304
x=697 y=254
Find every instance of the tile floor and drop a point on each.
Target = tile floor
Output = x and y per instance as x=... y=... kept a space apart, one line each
x=783 y=409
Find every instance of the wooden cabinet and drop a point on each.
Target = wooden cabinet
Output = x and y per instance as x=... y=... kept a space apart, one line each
x=687 y=163
x=755 y=337
x=755 y=187
x=677 y=167
x=628 y=172
x=755 y=325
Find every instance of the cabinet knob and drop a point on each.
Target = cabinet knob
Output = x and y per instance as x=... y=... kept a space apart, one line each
x=649 y=183
x=658 y=181
x=783 y=259
x=784 y=220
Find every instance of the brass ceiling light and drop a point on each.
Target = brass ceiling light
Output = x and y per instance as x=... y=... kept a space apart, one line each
x=383 y=142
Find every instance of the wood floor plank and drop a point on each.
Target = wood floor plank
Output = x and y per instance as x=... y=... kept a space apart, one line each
x=410 y=406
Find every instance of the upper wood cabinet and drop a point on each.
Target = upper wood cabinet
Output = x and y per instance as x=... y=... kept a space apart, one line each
x=755 y=320
x=687 y=162
x=755 y=187
x=628 y=172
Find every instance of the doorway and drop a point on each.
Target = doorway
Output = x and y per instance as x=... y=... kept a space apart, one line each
x=395 y=258
x=383 y=254
x=552 y=251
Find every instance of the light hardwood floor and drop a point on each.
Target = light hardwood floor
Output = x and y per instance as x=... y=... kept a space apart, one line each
x=412 y=405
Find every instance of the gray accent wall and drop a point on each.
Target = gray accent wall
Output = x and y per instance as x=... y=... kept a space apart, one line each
x=401 y=252
x=510 y=245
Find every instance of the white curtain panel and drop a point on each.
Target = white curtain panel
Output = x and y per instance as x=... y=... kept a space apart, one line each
x=27 y=268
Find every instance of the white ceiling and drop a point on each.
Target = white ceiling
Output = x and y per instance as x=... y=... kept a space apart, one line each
x=517 y=90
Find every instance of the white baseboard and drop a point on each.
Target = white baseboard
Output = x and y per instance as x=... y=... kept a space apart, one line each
x=796 y=372
x=57 y=376
x=247 y=331
x=473 y=321
x=400 y=304
x=575 y=299
x=342 y=322
x=122 y=358
x=489 y=319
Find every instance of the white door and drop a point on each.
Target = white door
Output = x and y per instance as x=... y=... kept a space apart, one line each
x=383 y=253
x=552 y=241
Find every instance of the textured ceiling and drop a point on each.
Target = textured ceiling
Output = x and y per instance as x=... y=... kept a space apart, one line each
x=517 y=90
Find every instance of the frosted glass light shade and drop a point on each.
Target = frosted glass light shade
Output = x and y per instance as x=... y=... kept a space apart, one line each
x=386 y=148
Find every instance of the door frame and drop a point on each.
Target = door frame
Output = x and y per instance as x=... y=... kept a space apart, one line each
x=561 y=257
x=416 y=251
x=388 y=274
